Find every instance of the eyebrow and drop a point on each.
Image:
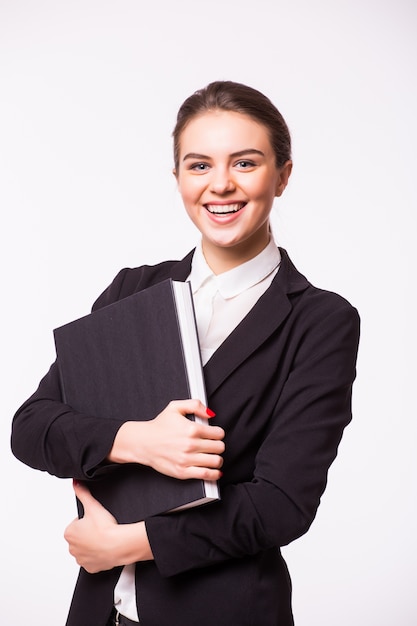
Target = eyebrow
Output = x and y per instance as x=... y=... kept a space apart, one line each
x=240 y=153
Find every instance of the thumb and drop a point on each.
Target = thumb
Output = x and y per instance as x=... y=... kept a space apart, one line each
x=92 y=507
x=84 y=495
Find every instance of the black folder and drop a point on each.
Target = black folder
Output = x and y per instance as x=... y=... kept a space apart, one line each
x=127 y=361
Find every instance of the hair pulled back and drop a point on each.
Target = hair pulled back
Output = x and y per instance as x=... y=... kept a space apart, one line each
x=238 y=98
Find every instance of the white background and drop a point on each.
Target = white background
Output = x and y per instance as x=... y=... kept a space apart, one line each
x=89 y=91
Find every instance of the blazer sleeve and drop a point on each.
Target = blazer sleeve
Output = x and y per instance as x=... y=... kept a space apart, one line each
x=280 y=502
x=49 y=435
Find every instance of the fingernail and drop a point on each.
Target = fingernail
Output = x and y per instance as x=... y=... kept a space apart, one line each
x=210 y=413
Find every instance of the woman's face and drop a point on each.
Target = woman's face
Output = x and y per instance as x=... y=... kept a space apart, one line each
x=228 y=178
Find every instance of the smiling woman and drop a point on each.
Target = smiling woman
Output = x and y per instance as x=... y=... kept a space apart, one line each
x=228 y=179
x=279 y=361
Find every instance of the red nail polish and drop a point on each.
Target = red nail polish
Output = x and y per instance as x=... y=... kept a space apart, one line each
x=74 y=482
x=210 y=413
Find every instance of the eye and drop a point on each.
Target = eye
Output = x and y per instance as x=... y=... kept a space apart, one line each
x=245 y=164
x=199 y=167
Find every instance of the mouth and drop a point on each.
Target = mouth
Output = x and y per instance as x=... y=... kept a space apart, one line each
x=224 y=209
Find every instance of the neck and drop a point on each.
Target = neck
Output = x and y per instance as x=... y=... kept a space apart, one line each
x=223 y=259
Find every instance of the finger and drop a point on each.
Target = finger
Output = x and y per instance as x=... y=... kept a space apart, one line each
x=201 y=473
x=84 y=495
x=209 y=446
x=69 y=531
x=70 y=526
x=211 y=461
x=205 y=431
x=92 y=507
x=212 y=432
x=193 y=406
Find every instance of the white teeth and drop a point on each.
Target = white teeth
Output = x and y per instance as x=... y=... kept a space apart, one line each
x=225 y=208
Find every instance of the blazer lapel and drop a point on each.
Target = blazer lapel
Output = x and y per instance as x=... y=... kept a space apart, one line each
x=262 y=320
x=260 y=323
x=181 y=270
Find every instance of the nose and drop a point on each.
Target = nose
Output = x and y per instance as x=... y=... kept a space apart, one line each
x=221 y=181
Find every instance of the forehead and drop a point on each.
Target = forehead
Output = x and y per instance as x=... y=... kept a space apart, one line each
x=220 y=131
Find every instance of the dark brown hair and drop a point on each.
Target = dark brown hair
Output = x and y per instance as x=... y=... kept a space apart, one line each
x=239 y=98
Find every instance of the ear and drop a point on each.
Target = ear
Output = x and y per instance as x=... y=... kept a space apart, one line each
x=282 y=181
x=174 y=171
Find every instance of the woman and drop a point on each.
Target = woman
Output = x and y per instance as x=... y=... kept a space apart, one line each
x=279 y=359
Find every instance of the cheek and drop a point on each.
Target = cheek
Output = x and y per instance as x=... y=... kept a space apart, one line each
x=188 y=198
x=190 y=190
x=262 y=190
x=191 y=212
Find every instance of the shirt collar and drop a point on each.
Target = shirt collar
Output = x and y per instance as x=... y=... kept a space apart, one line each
x=240 y=278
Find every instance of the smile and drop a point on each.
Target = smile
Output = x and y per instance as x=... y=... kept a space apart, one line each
x=224 y=209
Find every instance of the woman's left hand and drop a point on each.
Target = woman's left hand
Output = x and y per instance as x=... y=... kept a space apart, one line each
x=98 y=542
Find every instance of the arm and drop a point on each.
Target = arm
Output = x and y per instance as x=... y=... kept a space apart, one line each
x=98 y=542
x=51 y=436
x=280 y=502
x=172 y=444
x=48 y=435
x=290 y=474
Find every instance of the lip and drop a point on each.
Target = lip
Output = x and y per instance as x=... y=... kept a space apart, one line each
x=224 y=208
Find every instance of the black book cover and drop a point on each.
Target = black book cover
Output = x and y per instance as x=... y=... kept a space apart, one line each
x=127 y=361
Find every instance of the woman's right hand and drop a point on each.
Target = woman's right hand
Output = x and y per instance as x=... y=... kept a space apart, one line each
x=173 y=444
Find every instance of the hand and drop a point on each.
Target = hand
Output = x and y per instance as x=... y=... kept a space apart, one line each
x=98 y=542
x=173 y=444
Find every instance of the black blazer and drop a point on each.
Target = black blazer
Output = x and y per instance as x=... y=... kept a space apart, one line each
x=280 y=385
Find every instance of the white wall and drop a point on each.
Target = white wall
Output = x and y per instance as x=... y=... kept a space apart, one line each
x=89 y=93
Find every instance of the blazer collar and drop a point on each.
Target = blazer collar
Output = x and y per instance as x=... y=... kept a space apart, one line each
x=262 y=320
x=288 y=278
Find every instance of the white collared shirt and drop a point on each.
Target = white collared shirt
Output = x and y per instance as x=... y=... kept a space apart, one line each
x=221 y=302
